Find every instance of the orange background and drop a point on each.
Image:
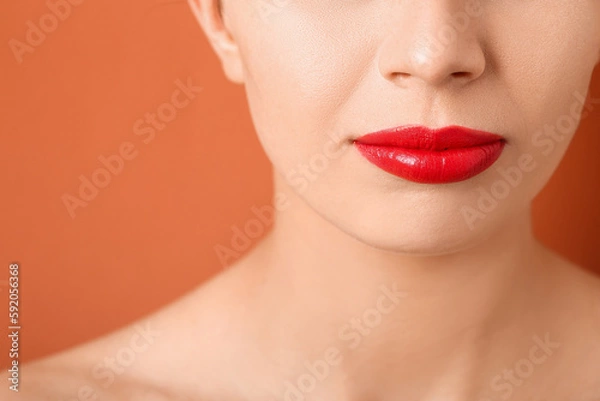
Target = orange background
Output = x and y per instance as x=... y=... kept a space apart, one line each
x=149 y=236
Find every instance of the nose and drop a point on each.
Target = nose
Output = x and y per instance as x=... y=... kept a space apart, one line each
x=437 y=44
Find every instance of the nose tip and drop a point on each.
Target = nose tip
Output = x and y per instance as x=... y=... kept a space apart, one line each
x=457 y=59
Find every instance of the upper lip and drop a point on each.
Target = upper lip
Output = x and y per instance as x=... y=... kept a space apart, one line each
x=432 y=139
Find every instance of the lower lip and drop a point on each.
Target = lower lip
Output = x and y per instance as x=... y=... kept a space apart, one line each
x=433 y=167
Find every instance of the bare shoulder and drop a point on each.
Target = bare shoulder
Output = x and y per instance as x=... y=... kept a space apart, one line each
x=576 y=315
x=175 y=354
x=579 y=292
x=101 y=370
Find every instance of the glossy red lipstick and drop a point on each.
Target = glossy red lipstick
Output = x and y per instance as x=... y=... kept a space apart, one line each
x=431 y=156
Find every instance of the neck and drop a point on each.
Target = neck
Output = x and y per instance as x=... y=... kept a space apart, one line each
x=421 y=317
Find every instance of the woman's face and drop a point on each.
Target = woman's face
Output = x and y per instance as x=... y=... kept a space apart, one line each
x=320 y=73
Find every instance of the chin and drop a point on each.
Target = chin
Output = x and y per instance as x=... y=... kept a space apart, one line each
x=426 y=226
x=426 y=237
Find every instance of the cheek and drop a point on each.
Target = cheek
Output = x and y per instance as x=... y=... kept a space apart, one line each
x=545 y=66
x=298 y=81
x=549 y=55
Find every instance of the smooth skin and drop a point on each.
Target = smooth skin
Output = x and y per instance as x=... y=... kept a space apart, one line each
x=370 y=287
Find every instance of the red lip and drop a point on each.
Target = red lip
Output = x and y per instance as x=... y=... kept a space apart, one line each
x=431 y=156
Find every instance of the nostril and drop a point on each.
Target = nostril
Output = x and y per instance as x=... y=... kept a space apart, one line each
x=401 y=74
x=461 y=74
